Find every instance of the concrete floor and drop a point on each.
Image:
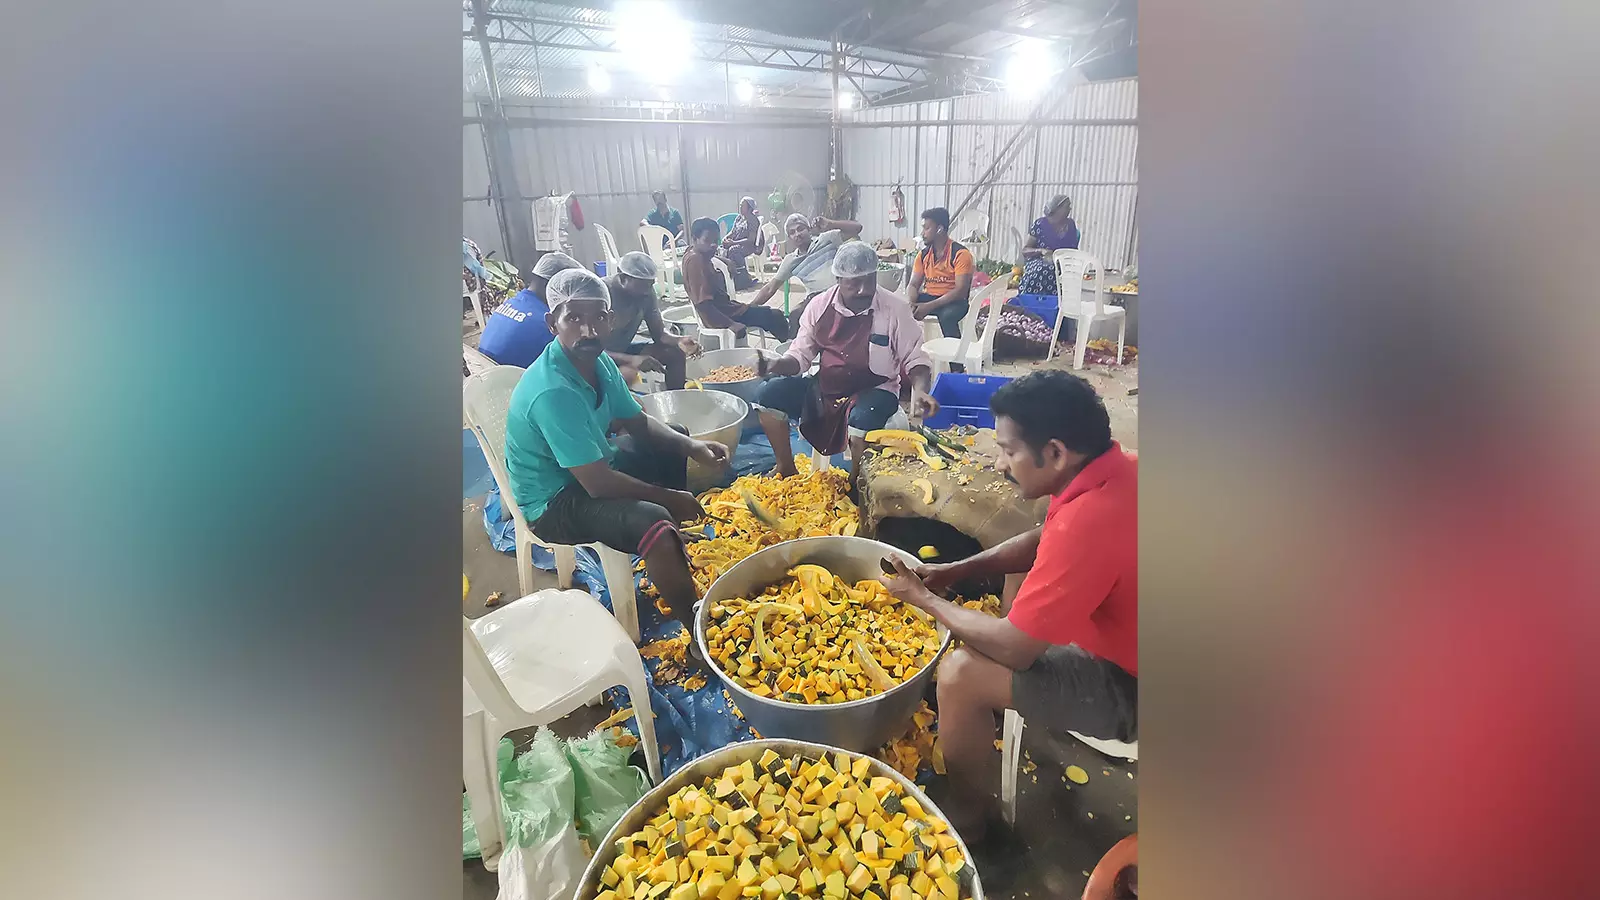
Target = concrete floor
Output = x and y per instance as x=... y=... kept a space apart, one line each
x=1063 y=829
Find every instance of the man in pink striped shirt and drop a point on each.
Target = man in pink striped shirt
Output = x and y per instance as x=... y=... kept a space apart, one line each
x=867 y=346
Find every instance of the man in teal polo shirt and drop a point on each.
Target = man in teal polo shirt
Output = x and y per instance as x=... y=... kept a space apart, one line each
x=574 y=485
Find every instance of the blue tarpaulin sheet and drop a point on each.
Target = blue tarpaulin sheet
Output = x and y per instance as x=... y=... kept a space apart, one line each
x=688 y=723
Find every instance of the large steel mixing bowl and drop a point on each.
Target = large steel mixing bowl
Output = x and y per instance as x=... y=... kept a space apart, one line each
x=708 y=415
x=860 y=725
x=654 y=801
x=700 y=366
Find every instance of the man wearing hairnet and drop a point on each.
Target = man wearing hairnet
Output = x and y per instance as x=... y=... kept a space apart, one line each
x=516 y=333
x=633 y=303
x=575 y=485
x=815 y=241
x=868 y=347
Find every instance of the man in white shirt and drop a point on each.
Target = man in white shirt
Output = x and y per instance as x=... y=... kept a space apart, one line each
x=815 y=241
x=866 y=343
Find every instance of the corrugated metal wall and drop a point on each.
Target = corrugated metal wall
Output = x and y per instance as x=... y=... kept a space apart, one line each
x=614 y=166
x=1094 y=162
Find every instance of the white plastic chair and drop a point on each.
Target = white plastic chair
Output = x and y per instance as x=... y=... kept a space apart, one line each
x=486 y=397
x=476 y=360
x=656 y=241
x=1070 y=266
x=608 y=246
x=1011 y=758
x=476 y=299
x=774 y=240
x=970 y=222
x=1009 y=246
x=972 y=350
x=527 y=664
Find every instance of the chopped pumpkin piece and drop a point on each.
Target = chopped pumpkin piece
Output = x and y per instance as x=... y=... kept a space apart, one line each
x=710 y=885
x=746 y=874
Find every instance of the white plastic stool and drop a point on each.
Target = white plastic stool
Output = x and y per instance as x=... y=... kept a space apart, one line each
x=527 y=664
x=486 y=397
x=1011 y=758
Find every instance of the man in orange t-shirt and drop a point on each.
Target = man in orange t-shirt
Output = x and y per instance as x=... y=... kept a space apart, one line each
x=1066 y=654
x=941 y=275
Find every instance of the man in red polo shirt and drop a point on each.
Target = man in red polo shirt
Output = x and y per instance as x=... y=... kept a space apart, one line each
x=1066 y=654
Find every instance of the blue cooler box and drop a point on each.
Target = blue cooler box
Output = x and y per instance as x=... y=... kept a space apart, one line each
x=963 y=400
x=600 y=268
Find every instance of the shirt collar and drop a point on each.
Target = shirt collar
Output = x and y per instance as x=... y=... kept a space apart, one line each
x=838 y=304
x=1110 y=465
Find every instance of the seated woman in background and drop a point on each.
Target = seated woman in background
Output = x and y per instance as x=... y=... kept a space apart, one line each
x=743 y=239
x=1053 y=231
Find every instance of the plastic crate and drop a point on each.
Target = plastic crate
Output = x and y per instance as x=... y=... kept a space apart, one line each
x=600 y=268
x=964 y=400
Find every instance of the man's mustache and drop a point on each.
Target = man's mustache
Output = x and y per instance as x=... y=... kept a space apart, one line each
x=587 y=344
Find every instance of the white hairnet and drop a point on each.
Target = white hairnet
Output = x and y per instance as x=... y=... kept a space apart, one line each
x=577 y=284
x=795 y=218
x=551 y=263
x=854 y=259
x=637 y=265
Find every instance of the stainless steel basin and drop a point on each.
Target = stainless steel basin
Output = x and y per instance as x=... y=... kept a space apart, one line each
x=860 y=725
x=708 y=415
x=681 y=318
x=746 y=390
x=655 y=800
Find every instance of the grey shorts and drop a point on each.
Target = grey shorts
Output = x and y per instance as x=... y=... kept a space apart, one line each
x=574 y=517
x=1067 y=689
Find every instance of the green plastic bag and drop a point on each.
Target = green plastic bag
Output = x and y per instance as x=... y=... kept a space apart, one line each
x=543 y=858
x=537 y=790
x=606 y=786
x=470 y=848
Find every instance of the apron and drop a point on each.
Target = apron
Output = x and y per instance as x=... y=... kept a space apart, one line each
x=842 y=373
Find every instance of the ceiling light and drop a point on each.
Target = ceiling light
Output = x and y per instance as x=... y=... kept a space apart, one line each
x=745 y=91
x=847 y=99
x=599 y=80
x=1032 y=65
x=652 y=38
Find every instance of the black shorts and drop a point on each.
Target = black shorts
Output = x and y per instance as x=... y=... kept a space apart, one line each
x=1067 y=689
x=574 y=517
